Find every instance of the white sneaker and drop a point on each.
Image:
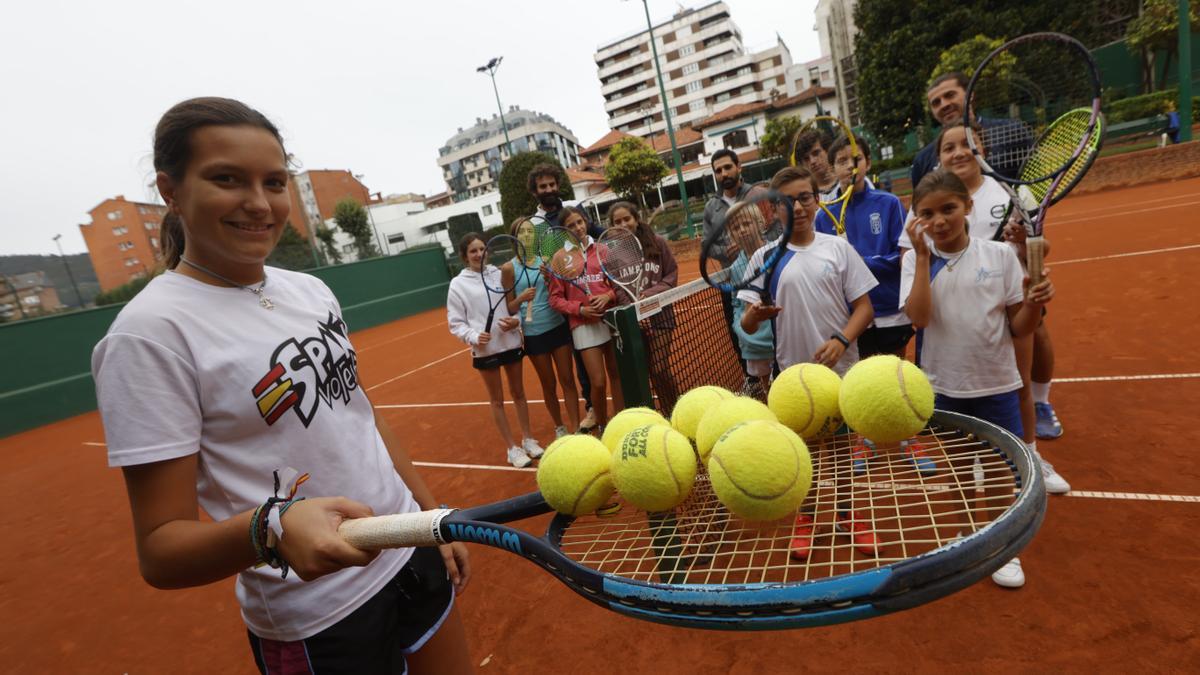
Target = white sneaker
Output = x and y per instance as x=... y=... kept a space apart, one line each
x=531 y=448
x=559 y=432
x=518 y=458
x=588 y=421
x=1010 y=576
x=1055 y=484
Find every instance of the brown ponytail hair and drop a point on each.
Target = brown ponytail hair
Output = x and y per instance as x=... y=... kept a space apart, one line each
x=173 y=150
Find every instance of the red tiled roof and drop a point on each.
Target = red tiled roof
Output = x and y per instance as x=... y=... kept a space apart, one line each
x=731 y=113
x=606 y=141
x=810 y=94
x=583 y=176
x=684 y=136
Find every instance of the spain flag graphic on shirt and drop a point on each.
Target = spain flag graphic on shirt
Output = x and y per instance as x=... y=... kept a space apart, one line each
x=304 y=373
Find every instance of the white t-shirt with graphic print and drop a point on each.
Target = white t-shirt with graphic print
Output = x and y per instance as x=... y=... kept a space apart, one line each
x=191 y=368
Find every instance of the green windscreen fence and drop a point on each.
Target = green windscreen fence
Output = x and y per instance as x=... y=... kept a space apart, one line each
x=673 y=342
x=47 y=373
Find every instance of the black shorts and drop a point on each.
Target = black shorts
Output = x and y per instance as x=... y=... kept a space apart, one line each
x=374 y=638
x=497 y=360
x=544 y=343
x=876 y=340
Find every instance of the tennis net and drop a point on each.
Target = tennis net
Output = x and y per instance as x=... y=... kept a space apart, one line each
x=672 y=342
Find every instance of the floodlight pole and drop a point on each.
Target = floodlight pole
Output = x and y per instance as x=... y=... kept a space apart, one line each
x=490 y=68
x=1185 y=72
x=78 y=297
x=662 y=91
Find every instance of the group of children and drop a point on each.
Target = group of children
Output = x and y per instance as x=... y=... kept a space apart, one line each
x=950 y=270
x=565 y=321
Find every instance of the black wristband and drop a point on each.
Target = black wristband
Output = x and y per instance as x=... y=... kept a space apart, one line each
x=837 y=335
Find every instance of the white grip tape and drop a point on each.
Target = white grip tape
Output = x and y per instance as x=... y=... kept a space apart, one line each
x=396 y=531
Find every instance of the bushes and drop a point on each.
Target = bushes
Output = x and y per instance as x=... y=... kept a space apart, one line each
x=1146 y=105
x=124 y=292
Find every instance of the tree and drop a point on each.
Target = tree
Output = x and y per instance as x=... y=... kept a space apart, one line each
x=515 y=200
x=964 y=56
x=776 y=141
x=1157 y=29
x=328 y=245
x=899 y=44
x=352 y=218
x=459 y=225
x=292 y=252
x=632 y=168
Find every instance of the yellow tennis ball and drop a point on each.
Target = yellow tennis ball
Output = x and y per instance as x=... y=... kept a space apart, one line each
x=626 y=421
x=654 y=468
x=691 y=407
x=721 y=417
x=760 y=470
x=886 y=398
x=575 y=478
x=805 y=398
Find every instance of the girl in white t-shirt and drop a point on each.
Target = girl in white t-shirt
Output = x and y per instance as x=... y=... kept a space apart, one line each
x=467 y=306
x=970 y=298
x=821 y=307
x=221 y=383
x=989 y=204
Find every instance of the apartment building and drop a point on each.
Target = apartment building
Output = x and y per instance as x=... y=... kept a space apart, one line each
x=123 y=240
x=24 y=296
x=705 y=65
x=472 y=158
x=836 y=31
x=315 y=194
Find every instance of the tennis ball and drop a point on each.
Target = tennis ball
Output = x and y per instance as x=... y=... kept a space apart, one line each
x=886 y=398
x=805 y=398
x=627 y=420
x=574 y=475
x=654 y=468
x=724 y=415
x=691 y=407
x=760 y=470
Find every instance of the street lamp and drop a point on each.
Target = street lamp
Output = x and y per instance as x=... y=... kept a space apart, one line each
x=662 y=91
x=78 y=297
x=490 y=68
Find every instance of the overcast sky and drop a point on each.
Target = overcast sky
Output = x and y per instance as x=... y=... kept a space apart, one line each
x=373 y=87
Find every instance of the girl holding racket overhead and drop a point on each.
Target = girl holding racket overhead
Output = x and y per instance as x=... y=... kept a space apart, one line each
x=467 y=310
x=221 y=382
x=970 y=298
x=584 y=301
x=547 y=335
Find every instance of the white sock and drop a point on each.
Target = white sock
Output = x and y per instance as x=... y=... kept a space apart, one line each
x=1033 y=448
x=1041 y=392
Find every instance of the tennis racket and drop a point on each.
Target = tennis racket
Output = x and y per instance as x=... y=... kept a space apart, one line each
x=749 y=225
x=529 y=232
x=820 y=132
x=622 y=260
x=1037 y=99
x=501 y=250
x=564 y=256
x=701 y=567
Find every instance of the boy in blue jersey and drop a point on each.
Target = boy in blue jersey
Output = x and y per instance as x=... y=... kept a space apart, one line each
x=874 y=221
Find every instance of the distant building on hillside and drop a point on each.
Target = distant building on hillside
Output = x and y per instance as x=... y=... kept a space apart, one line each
x=472 y=158
x=123 y=240
x=315 y=194
x=24 y=296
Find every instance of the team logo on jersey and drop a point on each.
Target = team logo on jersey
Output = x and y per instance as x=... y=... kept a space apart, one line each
x=998 y=211
x=876 y=223
x=984 y=274
x=306 y=372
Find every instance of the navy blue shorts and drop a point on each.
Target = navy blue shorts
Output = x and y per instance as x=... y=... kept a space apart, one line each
x=1003 y=410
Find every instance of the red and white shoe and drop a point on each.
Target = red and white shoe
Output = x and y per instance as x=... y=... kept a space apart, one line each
x=802 y=537
x=861 y=531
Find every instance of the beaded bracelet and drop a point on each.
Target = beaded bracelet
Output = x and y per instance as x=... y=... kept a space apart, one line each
x=265 y=541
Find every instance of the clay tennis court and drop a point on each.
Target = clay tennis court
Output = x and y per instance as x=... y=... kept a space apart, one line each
x=1112 y=580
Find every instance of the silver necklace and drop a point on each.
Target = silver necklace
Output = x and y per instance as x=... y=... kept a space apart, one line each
x=262 y=299
x=951 y=262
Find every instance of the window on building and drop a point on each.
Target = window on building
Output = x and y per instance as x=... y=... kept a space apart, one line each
x=114 y=215
x=736 y=139
x=691 y=68
x=151 y=225
x=696 y=105
x=119 y=230
x=154 y=242
x=886 y=152
x=693 y=87
x=125 y=246
x=397 y=238
x=487 y=209
x=687 y=49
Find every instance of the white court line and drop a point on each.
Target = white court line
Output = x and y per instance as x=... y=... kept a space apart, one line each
x=1090 y=494
x=416 y=370
x=1140 y=202
x=1082 y=219
x=406 y=335
x=1127 y=378
x=1126 y=255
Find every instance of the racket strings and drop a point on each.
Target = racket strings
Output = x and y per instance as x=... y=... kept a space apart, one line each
x=621 y=256
x=909 y=513
x=501 y=250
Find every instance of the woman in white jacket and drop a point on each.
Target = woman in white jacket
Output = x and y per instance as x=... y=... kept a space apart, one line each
x=467 y=306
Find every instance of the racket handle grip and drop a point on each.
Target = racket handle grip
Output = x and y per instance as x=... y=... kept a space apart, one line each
x=1035 y=251
x=420 y=528
x=529 y=311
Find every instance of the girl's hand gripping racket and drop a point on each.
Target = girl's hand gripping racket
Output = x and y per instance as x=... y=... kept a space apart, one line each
x=502 y=249
x=699 y=566
x=1037 y=99
x=738 y=254
x=622 y=260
